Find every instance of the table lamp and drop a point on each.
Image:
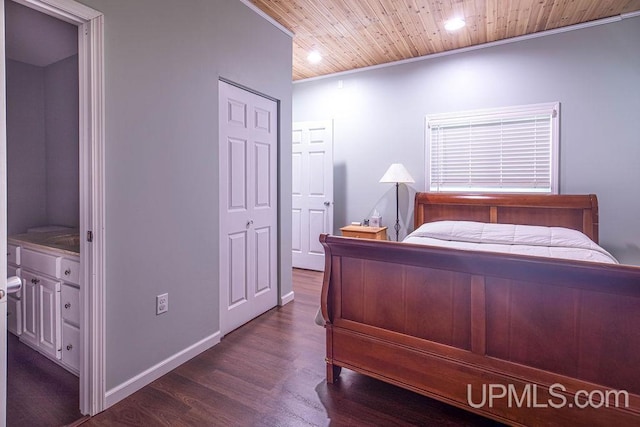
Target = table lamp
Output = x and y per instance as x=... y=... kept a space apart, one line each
x=397 y=174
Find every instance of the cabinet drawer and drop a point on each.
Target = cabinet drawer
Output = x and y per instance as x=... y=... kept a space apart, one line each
x=70 y=271
x=70 y=304
x=14 y=315
x=358 y=234
x=13 y=271
x=44 y=263
x=71 y=346
x=13 y=254
x=380 y=235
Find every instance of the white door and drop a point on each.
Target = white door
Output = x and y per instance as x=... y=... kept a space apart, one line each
x=248 y=148
x=312 y=186
x=3 y=228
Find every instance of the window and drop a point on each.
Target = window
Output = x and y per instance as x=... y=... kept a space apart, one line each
x=511 y=149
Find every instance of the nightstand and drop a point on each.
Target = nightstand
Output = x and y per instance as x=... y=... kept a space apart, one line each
x=363 y=232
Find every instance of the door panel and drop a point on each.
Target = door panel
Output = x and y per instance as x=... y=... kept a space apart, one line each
x=50 y=327
x=248 y=221
x=237 y=174
x=317 y=174
x=317 y=226
x=262 y=175
x=237 y=279
x=30 y=306
x=296 y=223
x=312 y=191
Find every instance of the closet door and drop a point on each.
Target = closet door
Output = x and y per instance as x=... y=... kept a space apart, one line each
x=248 y=149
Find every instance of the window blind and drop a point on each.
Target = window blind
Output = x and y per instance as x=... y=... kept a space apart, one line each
x=505 y=150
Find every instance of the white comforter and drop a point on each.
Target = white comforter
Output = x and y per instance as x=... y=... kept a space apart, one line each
x=553 y=242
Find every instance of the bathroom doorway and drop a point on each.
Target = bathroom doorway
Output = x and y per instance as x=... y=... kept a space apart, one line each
x=42 y=84
x=87 y=24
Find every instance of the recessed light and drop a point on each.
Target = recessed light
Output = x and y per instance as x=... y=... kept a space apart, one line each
x=314 y=57
x=454 y=24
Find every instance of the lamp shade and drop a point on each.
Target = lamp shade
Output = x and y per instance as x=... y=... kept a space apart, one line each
x=396 y=173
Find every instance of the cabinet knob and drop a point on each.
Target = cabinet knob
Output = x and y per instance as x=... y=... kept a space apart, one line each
x=249 y=223
x=69 y=347
x=67 y=305
x=35 y=281
x=67 y=272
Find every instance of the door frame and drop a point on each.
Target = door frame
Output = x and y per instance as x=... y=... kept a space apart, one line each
x=90 y=25
x=3 y=227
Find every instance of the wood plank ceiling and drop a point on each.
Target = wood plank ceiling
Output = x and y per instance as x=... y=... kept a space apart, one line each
x=352 y=34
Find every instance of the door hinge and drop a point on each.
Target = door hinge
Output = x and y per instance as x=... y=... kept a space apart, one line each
x=89 y=236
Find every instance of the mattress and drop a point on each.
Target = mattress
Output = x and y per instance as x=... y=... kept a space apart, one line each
x=532 y=240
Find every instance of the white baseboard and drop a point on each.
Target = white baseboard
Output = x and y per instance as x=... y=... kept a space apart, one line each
x=286 y=299
x=129 y=387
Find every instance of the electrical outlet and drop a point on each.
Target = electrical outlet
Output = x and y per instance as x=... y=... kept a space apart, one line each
x=162 y=303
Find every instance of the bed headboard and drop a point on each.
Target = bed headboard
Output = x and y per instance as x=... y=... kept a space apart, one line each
x=578 y=212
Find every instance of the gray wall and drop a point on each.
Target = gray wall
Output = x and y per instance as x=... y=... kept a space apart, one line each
x=379 y=118
x=26 y=153
x=163 y=59
x=42 y=145
x=61 y=127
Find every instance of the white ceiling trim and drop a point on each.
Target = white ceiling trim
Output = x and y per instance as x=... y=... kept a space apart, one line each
x=267 y=17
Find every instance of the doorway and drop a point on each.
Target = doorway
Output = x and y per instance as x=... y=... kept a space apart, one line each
x=312 y=192
x=42 y=100
x=88 y=25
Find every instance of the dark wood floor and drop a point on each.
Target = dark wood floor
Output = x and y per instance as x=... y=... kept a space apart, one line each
x=39 y=392
x=271 y=372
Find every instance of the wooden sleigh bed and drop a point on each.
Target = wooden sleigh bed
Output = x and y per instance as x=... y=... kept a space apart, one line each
x=462 y=326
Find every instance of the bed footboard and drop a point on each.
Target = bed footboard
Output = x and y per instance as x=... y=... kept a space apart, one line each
x=523 y=340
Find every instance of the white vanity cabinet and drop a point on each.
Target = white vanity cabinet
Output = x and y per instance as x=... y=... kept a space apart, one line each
x=50 y=299
x=70 y=314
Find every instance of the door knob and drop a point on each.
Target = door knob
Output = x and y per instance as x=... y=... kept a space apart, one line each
x=327 y=203
x=14 y=284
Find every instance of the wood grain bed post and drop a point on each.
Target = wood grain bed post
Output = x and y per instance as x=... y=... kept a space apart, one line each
x=333 y=371
x=590 y=217
x=478 y=315
x=324 y=295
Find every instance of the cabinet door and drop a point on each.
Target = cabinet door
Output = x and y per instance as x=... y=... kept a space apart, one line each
x=14 y=316
x=29 y=307
x=71 y=346
x=49 y=293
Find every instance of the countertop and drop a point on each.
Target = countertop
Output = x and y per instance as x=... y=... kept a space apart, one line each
x=67 y=241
